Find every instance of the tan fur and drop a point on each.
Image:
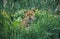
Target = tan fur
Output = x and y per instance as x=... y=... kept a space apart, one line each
x=29 y=17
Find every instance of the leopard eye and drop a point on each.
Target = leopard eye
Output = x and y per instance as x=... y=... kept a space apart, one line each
x=27 y=15
x=31 y=14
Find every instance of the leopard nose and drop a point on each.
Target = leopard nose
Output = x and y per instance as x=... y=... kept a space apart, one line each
x=30 y=18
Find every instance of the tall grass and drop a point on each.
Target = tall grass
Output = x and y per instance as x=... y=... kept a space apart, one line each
x=40 y=29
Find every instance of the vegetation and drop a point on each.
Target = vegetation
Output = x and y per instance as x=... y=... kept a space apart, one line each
x=46 y=25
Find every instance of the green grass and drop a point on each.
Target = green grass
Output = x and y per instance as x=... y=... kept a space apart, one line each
x=40 y=29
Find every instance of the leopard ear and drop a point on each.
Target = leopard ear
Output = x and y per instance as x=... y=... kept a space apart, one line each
x=33 y=10
x=25 y=11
